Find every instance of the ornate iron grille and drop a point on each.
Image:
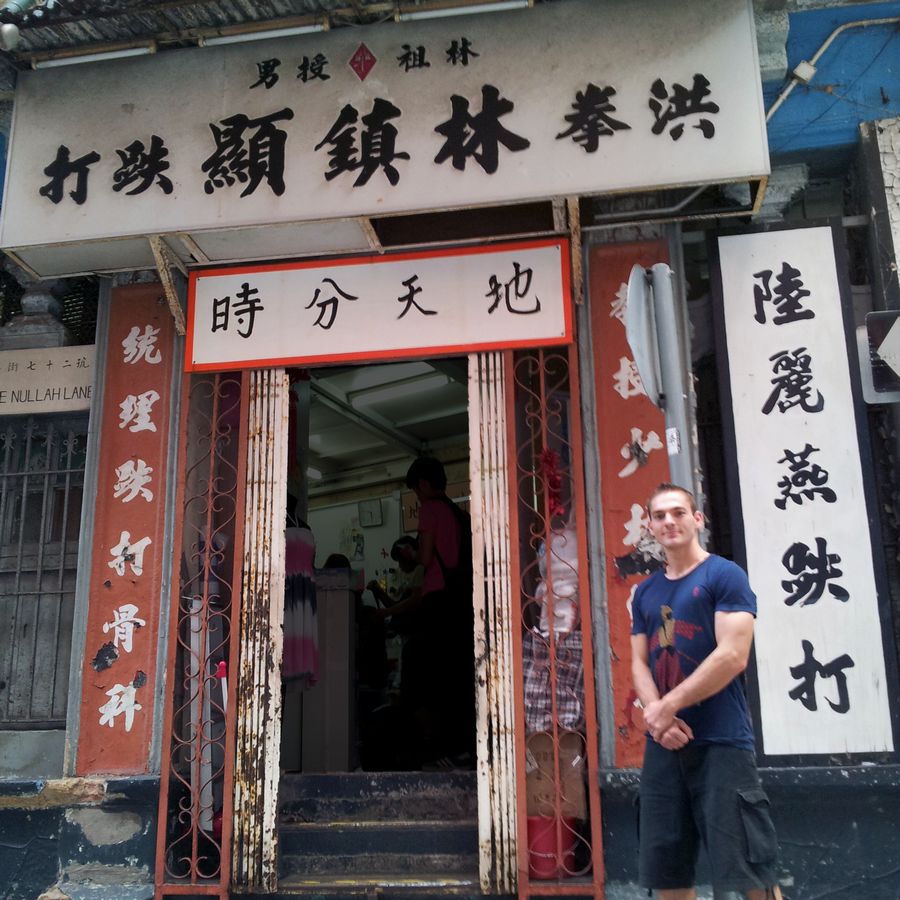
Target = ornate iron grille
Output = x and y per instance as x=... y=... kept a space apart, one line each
x=41 y=483
x=558 y=756
x=196 y=790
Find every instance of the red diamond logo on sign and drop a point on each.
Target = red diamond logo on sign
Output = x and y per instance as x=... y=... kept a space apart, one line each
x=362 y=62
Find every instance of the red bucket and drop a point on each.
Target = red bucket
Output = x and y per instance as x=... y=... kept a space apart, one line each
x=546 y=859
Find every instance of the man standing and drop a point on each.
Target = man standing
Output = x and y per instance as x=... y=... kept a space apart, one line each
x=691 y=639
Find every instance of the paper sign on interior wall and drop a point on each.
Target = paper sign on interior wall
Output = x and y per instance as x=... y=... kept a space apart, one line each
x=818 y=642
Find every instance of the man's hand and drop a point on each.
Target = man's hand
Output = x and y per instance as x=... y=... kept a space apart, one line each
x=677 y=736
x=659 y=717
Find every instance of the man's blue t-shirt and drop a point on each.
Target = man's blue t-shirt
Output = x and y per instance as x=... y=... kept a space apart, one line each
x=678 y=617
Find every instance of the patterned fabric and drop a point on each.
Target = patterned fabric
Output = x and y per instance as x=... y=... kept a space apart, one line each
x=569 y=682
x=301 y=629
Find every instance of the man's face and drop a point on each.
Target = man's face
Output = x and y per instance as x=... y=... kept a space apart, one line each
x=671 y=521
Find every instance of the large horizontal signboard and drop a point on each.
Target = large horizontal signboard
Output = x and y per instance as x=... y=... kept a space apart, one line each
x=819 y=653
x=577 y=97
x=372 y=307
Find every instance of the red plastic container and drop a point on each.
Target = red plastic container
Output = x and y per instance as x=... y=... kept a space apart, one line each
x=546 y=860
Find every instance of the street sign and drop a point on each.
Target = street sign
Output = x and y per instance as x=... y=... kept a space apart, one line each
x=883 y=333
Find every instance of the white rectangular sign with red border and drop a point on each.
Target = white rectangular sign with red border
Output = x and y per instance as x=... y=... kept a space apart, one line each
x=434 y=303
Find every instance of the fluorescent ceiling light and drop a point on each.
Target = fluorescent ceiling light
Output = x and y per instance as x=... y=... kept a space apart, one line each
x=143 y=50
x=412 y=15
x=242 y=36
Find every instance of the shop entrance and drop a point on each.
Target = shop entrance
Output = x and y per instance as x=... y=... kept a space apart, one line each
x=360 y=692
x=228 y=788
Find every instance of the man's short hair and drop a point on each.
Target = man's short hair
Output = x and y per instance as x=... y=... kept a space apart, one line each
x=665 y=487
x=429 y=468
x=406 y=540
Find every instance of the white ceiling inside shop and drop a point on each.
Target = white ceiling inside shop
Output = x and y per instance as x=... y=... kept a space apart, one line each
x=366 y=423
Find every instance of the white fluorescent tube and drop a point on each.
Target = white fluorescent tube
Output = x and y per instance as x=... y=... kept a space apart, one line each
x=93 y=57
x=414 y=14
x=260 y=35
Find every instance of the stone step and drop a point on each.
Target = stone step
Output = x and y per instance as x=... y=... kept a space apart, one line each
x=386 y=886
x=378 y=796
x=412 y=837
x=367 y=848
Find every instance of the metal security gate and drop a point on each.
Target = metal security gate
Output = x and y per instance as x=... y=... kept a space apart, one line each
x=41 y=482
x=559 y=835
x=538 y=794
x=196 y=789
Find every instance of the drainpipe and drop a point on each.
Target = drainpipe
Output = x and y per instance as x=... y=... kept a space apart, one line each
x=19 y=7
x=805 y=70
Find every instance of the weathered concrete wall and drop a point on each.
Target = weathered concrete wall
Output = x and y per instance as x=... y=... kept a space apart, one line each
x=32 y=754
x=77 y=838
x=837 y=831
x=888 y=131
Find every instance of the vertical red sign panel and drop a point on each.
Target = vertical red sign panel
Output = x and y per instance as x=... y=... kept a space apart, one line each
x=119 y=669
x=633 y=460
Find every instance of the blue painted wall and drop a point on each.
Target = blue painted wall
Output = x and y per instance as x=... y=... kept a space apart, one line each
x=858 y=80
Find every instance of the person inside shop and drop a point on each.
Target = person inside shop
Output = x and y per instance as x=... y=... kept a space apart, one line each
x=402 y=605
x=371 y=650
x=437 y=683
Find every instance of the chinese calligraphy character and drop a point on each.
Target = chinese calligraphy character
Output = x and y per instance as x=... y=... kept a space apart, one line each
x=459 y=52
x=377 y=146
x=813 y=571
x=140 y=166
x=636 y=528
x=123 y=624
x=591 y=119
x=132 y=480
x=478 y=136
x=136 y=409
x=249 y=161
x=792 y=378
x=311 y=69
x=12 y=367
x=810 y=668
x=139 y=346
x=61 y=168
x=245 y=306
x=516 y=288
x=619 y=303
x=412 y=58
x=409 y=298
x=637 y=451
x=788 y=296
x=128 y=553
x=328 y=306
x=804 y=479
x=268 y=77
x=627 y=380
x=122 y=701
x=680 y=104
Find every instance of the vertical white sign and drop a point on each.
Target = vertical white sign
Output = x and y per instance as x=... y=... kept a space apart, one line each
x=818 y=645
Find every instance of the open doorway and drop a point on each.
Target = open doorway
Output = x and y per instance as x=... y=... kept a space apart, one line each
x=363 y=686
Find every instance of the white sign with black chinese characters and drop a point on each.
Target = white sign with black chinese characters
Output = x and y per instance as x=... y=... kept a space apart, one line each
x=417 y=304
x=567 y=98
x=51 y=380
x=818 y=635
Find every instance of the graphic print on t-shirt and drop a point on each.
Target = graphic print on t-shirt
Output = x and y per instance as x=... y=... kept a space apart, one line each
x=668 y=669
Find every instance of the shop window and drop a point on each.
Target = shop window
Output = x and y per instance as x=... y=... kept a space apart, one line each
x=42 y=461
